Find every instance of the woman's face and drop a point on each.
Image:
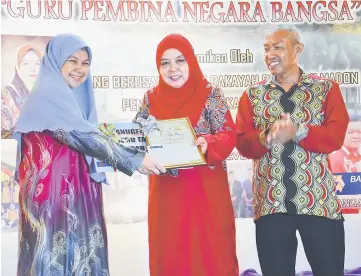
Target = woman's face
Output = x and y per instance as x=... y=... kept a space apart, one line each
x=29 y=66
x=75 y=69
x=174 y=68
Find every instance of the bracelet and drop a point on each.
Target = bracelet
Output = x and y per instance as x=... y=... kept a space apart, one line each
x=301 y=132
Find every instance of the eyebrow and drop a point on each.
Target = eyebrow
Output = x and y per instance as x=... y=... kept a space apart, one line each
x=181 y=56
x=280 y=42
x=77 y=58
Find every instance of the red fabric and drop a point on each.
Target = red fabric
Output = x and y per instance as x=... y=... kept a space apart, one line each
x=191 y=224
x=347 y=211
x=190 y=218
x=248 y=142
x=330 y=135
x=344 y=161
x=188 y=100
x=220 y=145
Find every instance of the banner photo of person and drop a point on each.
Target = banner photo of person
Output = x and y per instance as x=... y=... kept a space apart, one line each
x=23 y=55
x=227 y=37
x=9 y=187
x=346 y=166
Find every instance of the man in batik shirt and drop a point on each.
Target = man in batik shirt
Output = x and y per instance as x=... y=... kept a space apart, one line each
x=288 y=124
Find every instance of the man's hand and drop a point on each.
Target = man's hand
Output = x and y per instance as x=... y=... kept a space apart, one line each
x=282 y=131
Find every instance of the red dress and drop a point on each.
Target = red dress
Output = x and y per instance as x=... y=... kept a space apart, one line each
x=190 y=217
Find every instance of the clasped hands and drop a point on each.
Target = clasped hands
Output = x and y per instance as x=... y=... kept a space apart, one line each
x=282 y=131
x=150 y=166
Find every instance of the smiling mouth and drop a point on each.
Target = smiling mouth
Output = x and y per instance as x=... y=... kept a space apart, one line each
x=174 y=78
x=273 y=63
x=75 y=77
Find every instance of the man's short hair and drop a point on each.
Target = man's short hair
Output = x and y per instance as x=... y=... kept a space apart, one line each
x=290 y=28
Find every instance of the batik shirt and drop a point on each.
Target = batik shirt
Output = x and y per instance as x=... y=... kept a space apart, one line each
x=294 y=177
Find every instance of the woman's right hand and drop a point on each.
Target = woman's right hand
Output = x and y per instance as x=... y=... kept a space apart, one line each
x=149 y=166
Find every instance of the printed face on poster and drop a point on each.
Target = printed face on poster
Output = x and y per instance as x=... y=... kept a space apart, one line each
x=346 y=166
x=228 y=41
x=20 y=62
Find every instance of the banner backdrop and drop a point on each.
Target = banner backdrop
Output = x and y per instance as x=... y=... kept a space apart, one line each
x=228 y=39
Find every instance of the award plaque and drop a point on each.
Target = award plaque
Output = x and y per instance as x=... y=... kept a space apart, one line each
x=172 y=143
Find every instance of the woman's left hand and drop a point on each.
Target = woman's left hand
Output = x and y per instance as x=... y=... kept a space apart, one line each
x=202 y=142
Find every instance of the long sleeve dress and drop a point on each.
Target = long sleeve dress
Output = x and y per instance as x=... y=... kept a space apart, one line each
x=62 y=229
x=190 y=214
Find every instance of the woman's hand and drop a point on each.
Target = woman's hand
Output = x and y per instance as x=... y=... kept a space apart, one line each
x=149 y=166
x=202 y=142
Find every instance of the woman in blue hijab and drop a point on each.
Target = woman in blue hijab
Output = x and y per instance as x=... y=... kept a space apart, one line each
x=62 y=228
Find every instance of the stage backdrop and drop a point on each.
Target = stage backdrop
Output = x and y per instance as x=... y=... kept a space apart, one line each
x=228 y=39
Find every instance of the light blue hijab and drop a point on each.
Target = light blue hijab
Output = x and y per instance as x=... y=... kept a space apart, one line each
x=52 y=104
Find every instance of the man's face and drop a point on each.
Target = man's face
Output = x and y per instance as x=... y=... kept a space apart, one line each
x=281 y=51
x=353 y=136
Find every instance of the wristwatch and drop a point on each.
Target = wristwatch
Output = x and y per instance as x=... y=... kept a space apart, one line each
x=263 y=137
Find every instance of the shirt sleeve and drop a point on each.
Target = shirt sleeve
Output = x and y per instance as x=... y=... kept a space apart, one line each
x=329 y=136
x=248 y=143
x=97 y=145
